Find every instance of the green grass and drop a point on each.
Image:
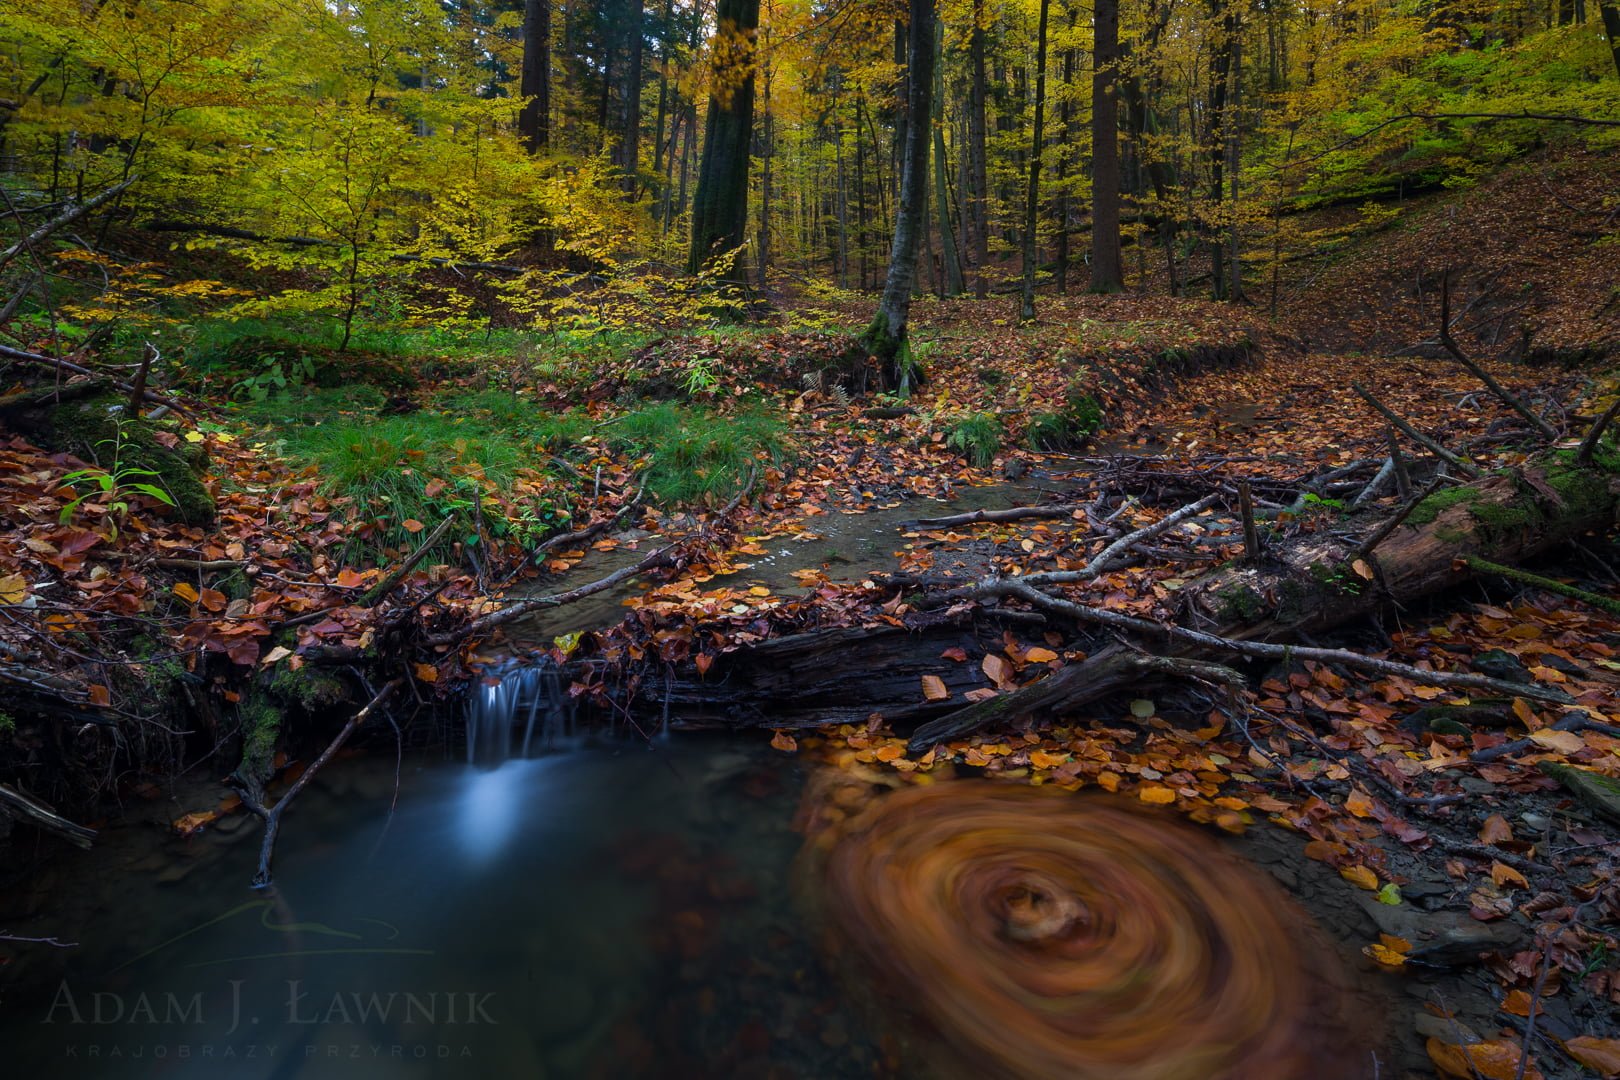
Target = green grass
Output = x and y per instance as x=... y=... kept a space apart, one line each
x=976 y=437
x=692 y=454
x=1067 y=429
x=516 y=415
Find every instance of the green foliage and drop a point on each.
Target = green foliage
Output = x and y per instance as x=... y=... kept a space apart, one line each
x=976 y=437
x=117 y=485
x=693 y=454
x=1066 y=429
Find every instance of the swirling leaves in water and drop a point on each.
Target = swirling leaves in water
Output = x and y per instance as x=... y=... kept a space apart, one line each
x=1044 y=935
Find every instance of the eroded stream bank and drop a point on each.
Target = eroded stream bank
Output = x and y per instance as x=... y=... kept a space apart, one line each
x=622 y=910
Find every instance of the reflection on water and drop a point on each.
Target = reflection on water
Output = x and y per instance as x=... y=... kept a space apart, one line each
x=627 y=912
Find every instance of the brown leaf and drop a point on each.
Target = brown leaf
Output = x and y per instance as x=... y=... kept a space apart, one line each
x=999 y=671
x=784 y=742
x=933 y=688
x=1505 y=876
x=427 y=673
x=1495 y=1060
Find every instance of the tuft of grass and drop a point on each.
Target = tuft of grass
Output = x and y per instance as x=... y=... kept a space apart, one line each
x=976 y=437
x=515 y=415
x=1068 y=429
x=693 y=454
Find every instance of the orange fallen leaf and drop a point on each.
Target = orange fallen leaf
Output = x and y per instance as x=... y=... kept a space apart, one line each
x=99 y=695
x=1039 y=655
x=427 y=673
x=412 y=526
x=784 y=742
x=1156 y=794
x=212 y=600
x=185 y=591
x=1517 y=1003
x=1043 y=760
x=1564 y=742
x=1358 y=803
x=1495 y=1060
x=1388 y=951
x=192 y=824
x=1495 y=830
x=998 y=670
x=891 y=751
x=1505 y=875
x=1602 y=1056
x=933 y=688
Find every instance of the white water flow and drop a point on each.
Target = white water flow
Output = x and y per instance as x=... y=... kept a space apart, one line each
x=520 y=709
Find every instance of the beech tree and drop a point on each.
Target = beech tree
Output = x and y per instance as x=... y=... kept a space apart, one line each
x=720 y=207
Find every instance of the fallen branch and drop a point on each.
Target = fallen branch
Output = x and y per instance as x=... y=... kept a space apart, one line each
x=272 y=814
x=975 y=517
x=1449 y=343
x=1414 y=434
x=485 y=623
x=67 y=217
x=378 y=593
x=1485 y=566
x=1105 y=558
x=15 y=804
x=1589 y=445
x=8 y=353
x=1393 y=522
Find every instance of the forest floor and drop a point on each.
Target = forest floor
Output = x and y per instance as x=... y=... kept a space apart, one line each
x=1436 y=824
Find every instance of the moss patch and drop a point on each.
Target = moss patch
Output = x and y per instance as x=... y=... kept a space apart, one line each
x=310 y=688
x=100 y=432
x=261 y=728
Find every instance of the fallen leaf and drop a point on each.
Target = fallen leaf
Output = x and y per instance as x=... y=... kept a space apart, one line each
x=1517 y=1003
x=427 y=673
x=1039 y=655
x=185 y=592
x=13 y=589
x=784 y=742
x=1358 y=803
x=1505 y=875
x=99 y=695
x=1602 y=1056
x=1564 y=742
x=1360 y=876
x=412 y=526
x=1495 y=1060
x=1142 y=708
x=933 y=688
x=1495 y=830
x=1156 y=794
x=998 y=670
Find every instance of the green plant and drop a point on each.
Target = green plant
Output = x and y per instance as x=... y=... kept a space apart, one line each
x=118 y=485
x=976 y=437
x=701 y=375
x=693 y=454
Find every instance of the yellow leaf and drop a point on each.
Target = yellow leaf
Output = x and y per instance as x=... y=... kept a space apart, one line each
x=1039 y=655
x=1043 y=760
x=1362 y=569
x=1156 y=794
x=1360 y=876
x=759 y=590
x=427 y=673
x=1563 y=742
x=194 y=436
x=186 y=592
x=13 y=589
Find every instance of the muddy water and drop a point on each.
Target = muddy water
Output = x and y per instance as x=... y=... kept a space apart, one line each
x=654 y=912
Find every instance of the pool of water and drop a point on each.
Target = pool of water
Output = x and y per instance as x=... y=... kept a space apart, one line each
x=618 y=911
x=692 y=908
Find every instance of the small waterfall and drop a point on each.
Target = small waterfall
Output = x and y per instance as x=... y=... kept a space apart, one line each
x=520 y=694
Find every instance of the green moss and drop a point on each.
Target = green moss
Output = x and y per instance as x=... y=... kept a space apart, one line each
x=1239 y=603
x=1506 y=517
x=1438 y=503
x=1450 y=535
x=100 y=432
x=261 y=728
x=310 y=687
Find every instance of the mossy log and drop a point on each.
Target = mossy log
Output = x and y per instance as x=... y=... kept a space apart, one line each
x=1322 y=582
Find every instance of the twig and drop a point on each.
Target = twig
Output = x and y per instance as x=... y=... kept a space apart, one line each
x=1403 y=476
x=1414 y=434
x=272 y=814
x=1485 y=566
x=1107 y=556
x=1251 y=535
x=1016 y=513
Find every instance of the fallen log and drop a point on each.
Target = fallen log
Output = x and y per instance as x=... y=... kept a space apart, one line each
x=1317 y=584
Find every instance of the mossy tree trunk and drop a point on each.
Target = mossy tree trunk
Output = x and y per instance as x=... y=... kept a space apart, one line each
x=720 y=207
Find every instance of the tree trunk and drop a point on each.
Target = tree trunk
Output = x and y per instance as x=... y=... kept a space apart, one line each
x=952 y=277
x=630 y=148
x=1026 y=306
x=886 y=337
x=1611 y=28
x=1066 y=122
x=534 y=83
x=720 y=206
x=977 y=181
x=1107 y=264
x=768 y=147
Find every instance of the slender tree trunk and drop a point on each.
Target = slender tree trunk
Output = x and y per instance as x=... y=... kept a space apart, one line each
x=768 y=147
x=1107 y=265
x=951 y=276
x=1234 y=289
x=886 y=337
x=978 y=183
x=1026 y=306
x=1220 y=82
x=720 y=208
x=1066 y=120
x=630 y=148
x=1611 y=28
x=534 y=81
